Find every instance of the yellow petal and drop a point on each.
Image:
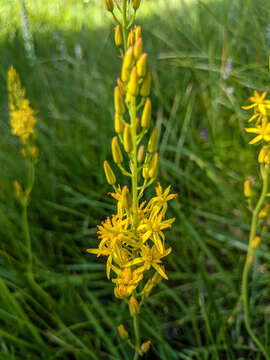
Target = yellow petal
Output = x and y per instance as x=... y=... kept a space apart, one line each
x=160 y=271
x=256 y=139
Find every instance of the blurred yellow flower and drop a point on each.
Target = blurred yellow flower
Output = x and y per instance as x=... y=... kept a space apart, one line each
x=21 y=114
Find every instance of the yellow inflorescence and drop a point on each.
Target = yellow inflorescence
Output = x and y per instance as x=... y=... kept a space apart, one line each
x=133 y=239
x=261 y=108
x=22 y=118
x=129 y=253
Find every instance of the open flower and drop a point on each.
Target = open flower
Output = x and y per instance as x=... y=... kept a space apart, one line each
x=263 y=132
x=150 y=257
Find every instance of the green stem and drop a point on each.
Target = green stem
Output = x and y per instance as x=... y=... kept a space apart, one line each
x=249 y=259
x=124 y=23
x=137 y=336
x=25 y=223
x=134 y=161
x=26 y=231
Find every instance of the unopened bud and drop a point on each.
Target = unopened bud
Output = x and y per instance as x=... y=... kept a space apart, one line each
x=122 y=332
x=147 y=114
x=110 y=177
x=145 y=171
x=34 y=152
x=264 y=212
x=121 y=86
x=256 y=242
x=138 y=47
x=116 y=151
x=18 y=192
x=118 y=101
x=109 y=5
x=141 y=65
x=146 y=85
x=145 y=346
x=137 y=125
x=133 y=82
x=119 y=123
x=148 y=287
x=153 y=141
x=134 y=307
x=131 y=38
x=136 y=4
x=126 y=198
x=127 y=139
x=140 y=156
x=247 y=188
x=118 y=36
x=138 y=32
x=127 y=63
x=153 y=166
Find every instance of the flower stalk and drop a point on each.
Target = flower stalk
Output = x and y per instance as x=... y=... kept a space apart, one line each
x=133 y=239
x=261 y=107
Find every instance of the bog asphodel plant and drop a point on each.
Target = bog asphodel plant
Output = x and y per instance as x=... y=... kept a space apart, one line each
x=261 y=129
x=23 y=123
x=133 y=239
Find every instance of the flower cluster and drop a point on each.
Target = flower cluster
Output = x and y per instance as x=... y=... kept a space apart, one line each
x=133 y=239
x=261 y=108
x=131 y=252
x=22 y=118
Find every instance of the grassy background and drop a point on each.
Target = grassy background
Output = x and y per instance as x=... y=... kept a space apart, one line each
x=206 y=58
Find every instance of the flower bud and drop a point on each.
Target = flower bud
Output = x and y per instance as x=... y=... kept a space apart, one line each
x=136 y=4
x=118 y=36
x=264 y=212
x=137 y=125
x=134 y=307
x=18 y=192
x=122 y=332
x=138 y=32
x=140 y=155
x=147 y=114
x=145 y=172
x=126 y=198
x=109 y=5
x=153 y=141
x=127 y=63
x=153 y=166
x=133 y=82
x=256 y=242
x=247 y=188
x=110 y=177
x=121 y=86
x=131 y=38
x=148 y=288
x=145 y=346
x=116 y=151
x=141 y=65
x=138 y=47
x=118 y=102
x=127 y=139
x=119 y=123
x=146 y=85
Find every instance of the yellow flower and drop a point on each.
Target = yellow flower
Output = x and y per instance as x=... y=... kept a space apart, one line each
x=259 y=104
x=160 y=201
x=150 y=257
x=126 y=281
x=21 y=114
x=263 y=132
x=112 y=233
x=152 y=229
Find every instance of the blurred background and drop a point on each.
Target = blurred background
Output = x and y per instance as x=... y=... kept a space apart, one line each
x=206 y=58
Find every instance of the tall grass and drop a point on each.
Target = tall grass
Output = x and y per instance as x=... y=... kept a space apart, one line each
x=207 y=57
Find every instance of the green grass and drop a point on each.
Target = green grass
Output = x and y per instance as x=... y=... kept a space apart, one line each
x=72 y=313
